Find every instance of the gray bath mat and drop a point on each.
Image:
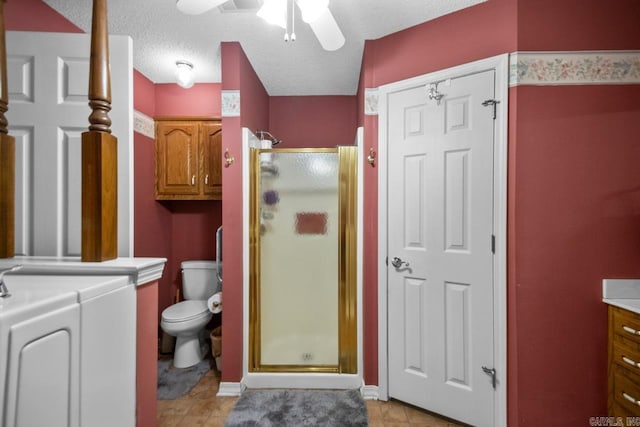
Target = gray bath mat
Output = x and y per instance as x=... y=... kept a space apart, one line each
x=176 y=382
x=295 y=408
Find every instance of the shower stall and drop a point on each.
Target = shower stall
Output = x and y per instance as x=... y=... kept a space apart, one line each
x=303 y=295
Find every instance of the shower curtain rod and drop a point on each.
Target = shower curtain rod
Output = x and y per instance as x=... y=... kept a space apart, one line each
x=262 y=133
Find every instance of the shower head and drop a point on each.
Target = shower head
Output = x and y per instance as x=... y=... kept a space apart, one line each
x=273 y=139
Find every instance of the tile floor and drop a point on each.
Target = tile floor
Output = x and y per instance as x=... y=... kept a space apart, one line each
x=201 y=407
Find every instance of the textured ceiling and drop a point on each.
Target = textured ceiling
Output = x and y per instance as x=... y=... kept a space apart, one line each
x=161 y=35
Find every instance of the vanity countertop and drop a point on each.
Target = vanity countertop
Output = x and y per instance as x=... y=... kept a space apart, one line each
x=623 y=293
x=139 y=269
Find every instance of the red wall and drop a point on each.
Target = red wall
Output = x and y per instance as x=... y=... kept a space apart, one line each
x=152 y=221
x=370 y=224
x=578 y=25
x=203 y=99
x=146 y=350
x=35 y=15
x=576 y=220
x=573 y=215
x=193 y=224
x=478 y=32
x=144 y=94
x=237 y=74
x=489 y=29
x=313 y=121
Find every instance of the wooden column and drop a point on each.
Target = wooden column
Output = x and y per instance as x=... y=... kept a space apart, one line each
x=7 y=157
x=99 y=152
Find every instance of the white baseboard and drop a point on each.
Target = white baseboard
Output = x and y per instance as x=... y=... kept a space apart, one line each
x=301 y=380
x=369 y=392
x=229 y=390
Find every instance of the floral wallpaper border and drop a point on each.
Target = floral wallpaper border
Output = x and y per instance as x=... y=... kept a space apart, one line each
x=371 y=101
x=143 y=124
x=574 y=68
x=230 y=103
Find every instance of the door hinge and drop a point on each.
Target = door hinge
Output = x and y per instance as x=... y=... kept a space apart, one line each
x=493 y=244
x=386 y=261
x=491 y=372
x=493 y=103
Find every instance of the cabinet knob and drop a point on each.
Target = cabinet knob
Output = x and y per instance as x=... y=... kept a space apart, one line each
x=193 y=180
x=630 y=330
x=631 y=398
x=206 y=179
x=631 y=362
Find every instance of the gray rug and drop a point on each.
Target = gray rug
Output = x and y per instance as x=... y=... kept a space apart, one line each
x=176 y=382
x=295 y=408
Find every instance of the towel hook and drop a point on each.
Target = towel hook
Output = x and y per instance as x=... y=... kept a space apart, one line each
x=371 y=158
x=228 y=158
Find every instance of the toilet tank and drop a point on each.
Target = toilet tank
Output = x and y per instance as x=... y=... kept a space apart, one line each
x=199 y=279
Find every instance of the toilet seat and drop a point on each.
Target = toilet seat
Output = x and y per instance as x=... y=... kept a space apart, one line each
x=184 y=311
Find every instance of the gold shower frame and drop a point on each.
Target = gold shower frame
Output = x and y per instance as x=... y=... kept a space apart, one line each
x=347 y=264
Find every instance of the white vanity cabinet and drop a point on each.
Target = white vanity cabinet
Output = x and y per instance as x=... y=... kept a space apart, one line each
x=98 y=327
x=118 y=353
x=623 y=298
x=108 y=361
x=39 y=359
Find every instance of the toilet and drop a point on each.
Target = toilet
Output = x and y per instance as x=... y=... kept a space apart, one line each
x=186 y=320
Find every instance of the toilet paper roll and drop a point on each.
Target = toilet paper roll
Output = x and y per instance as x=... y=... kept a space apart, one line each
x=215 y=303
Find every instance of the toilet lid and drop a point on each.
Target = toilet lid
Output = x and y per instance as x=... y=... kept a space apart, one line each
x=185 y=310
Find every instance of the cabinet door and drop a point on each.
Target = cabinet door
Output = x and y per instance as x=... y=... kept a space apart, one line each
x=177 y=158
x=212 y=159
x=43 y=382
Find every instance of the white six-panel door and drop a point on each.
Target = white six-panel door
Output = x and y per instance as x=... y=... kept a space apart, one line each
x=440 y=225
x=48 y=81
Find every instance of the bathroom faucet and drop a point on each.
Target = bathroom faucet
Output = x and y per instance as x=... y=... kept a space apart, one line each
x=4 y=292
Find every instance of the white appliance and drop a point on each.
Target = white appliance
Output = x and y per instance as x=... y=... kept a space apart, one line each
x=105 y=315
x=39 y=358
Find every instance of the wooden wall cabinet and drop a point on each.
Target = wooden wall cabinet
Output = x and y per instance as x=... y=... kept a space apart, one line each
x=624 y=363
x=188 y=159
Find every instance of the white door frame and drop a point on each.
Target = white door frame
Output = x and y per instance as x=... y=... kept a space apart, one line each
x=500 y=64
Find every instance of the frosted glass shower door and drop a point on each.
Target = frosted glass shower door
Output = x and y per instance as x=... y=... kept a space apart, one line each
x=297 y=260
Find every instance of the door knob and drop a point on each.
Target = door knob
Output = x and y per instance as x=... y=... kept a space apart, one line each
x=397 y=262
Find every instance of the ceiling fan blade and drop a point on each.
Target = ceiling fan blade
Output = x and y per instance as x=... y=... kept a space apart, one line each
x=196 y=7
x=327 y=31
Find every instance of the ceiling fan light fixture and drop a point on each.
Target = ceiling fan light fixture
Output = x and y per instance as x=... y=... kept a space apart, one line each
x=274 y=12
x=196 y=7
x=184 y=74
x=312 y=9
x=327 y=31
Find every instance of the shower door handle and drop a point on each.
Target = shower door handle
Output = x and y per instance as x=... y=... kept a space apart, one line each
x=397 y=262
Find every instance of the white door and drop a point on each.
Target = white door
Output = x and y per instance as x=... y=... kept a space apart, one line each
x=440 y=226
x=48 y=81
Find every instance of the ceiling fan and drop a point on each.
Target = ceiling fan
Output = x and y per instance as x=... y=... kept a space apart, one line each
x=316 y=13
